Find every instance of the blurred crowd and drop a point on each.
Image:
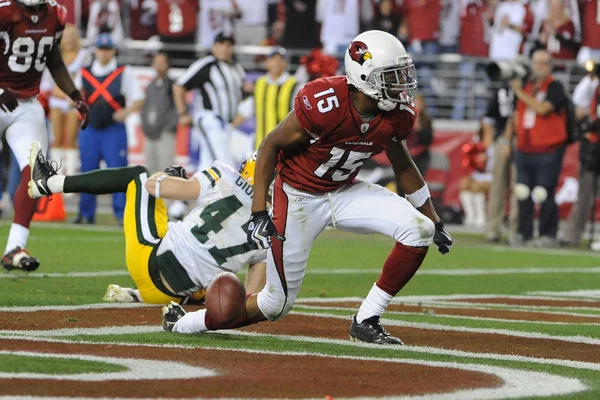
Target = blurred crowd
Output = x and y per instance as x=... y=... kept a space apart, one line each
x=495 y=28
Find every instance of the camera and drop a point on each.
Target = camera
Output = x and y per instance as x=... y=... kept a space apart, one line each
x=506 y=70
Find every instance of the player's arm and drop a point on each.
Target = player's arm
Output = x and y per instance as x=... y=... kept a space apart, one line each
x=286 y=135
x=59 y=71
x=163 y=186
x=410 y=179
x=256 y=277
x=64 y=81
x=413 y=183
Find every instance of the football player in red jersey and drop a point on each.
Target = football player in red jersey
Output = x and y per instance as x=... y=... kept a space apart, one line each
x=338 y=123
x=30 y=33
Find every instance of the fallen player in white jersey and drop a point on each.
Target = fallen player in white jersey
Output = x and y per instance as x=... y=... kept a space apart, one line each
x=170 y=261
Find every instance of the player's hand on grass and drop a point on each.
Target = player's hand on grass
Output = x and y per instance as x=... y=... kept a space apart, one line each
x=261 y=229
x=442 y=238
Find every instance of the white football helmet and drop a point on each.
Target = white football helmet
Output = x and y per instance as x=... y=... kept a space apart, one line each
x=378 y=65
x=32 y=3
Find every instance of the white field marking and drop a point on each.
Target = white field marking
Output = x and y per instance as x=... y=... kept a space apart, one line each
x=455 y=305
x=341 y=271
x=76 y=307
x=66 y=275
x=583 y=365
x=527 y=250
x=508 y=306
x=462 y=271
x=571 y=293
x=137 y=369
x=443 y=297
x=94 y=239
x=109 y=330
x=439 y=327
x=434 y=314
x=517 y=383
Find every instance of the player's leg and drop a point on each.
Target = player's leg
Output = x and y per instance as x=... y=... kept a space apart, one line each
x=45 y=181
x=216 y=137
x=28 y=124
x=298 y=216
x=369 y=208
x=89 y=149
x=114 y=152
x=144 y=224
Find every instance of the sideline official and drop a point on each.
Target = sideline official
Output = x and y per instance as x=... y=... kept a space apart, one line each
x=274 y=94
x=113 y=93
x=218 y=80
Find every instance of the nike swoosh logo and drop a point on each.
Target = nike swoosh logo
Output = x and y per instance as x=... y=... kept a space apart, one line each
x=40 y=184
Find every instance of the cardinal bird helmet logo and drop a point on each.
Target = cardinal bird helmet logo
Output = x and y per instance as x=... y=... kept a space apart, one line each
x=359 y=52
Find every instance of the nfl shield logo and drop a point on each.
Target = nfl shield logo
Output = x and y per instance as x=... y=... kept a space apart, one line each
x=34 y=18
x=364 y=127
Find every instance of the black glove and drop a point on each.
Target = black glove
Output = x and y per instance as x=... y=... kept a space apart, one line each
x=8 y=100
x=177 y=171
x=260 y=230
x=82 y=107
x=442 y=238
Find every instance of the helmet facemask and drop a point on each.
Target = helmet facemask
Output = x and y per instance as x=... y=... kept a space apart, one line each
x=396 y=83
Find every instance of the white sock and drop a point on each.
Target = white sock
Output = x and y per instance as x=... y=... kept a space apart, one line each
x=466 y=200
x=56 y=183
x=375 y=304
x=479 y=208
x=71 y=161
x=192 y=322
x=17 y=237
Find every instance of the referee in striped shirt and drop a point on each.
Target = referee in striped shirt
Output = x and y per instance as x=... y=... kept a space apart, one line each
x=217 y=81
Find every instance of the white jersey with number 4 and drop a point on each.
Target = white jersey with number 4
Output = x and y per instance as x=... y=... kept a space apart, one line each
x=212 y=237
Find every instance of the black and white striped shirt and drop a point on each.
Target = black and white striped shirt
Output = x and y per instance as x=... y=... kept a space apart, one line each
x=219 y=86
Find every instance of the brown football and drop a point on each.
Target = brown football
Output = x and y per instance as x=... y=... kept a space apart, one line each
x=225 y=297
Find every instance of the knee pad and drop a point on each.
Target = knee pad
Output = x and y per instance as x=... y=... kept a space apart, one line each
x=521 y=191
x=539 y=194
x=419 y=234
x=272 y=304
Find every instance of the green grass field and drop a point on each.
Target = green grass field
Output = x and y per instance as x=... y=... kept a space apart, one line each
x=341 y=265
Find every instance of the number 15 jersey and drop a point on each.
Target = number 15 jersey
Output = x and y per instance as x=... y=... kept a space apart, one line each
x=26 y=39
x=212 y=237
x=342 y=141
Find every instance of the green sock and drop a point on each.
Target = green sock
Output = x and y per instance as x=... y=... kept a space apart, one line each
x=103 y=181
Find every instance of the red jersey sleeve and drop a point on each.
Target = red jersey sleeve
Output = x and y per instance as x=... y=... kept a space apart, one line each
x=319 y=106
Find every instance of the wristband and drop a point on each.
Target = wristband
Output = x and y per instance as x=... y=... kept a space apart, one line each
x=258 y=214
x=75 y=95
x=418 y=198
x=157 y=187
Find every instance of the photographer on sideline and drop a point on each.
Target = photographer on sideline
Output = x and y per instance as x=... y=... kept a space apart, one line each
x=540 y=122
x=587 y=99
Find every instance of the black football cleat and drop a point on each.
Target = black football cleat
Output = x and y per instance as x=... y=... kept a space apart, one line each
x=171 y=314
x=19 y=258
x=371 y=331
x=41 y=171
